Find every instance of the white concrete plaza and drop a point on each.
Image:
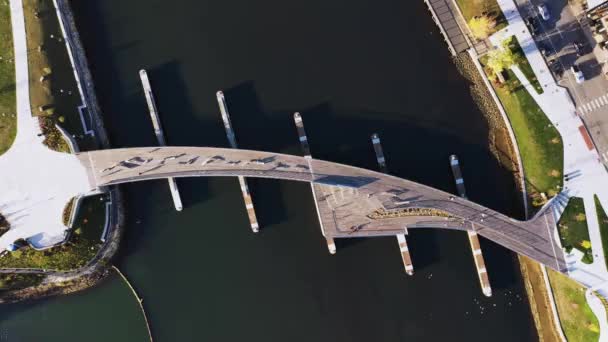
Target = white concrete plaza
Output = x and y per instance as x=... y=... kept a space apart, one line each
x=36 y=182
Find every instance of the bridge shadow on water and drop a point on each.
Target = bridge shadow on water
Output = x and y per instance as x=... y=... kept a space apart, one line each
x=416 y=146
x=202 y=272
x=415 y=149
x=343 y=135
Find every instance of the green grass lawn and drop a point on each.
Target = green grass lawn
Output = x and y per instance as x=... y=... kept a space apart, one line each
x=524 y=65
x=82 y=246
x=577 y=319
x=8 y=111
x=573 y=231
x=472 y=8
x=603 y=220
x=540 y=144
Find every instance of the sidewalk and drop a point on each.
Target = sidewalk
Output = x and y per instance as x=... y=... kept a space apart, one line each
x=33 y=195
x=557 y=104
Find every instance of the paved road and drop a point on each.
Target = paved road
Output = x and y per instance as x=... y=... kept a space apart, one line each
x=352 y=201
x=558 y=35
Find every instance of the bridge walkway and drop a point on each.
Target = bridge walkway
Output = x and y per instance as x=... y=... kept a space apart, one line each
x=445 y=15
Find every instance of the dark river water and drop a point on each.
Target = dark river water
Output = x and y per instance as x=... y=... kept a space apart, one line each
x=352 y=68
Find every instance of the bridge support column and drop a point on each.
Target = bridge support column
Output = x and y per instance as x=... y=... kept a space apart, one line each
x=158 y=131
x=480 y=263
x=401 y=240
x=331 y=245
x=253 y=220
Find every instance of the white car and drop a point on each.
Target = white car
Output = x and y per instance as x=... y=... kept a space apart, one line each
x=578 y=74
x=544 y=12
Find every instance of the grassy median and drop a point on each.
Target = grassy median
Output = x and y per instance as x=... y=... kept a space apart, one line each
x=524 y=64
x=578 y=321
x=573 y=230
x=8 y=111
x=603 y=221
x=82 y=246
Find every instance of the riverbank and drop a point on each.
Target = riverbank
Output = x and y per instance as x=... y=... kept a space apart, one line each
x=540 y=300
x=60 y=282
x=501 y=145
x=499 y=141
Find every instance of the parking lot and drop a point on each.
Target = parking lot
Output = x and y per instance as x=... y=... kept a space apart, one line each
x=566 y=41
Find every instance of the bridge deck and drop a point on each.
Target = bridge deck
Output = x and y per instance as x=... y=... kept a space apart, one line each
x=353 y=202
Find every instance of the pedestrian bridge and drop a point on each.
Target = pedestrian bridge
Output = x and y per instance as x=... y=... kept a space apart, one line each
x=352 y=202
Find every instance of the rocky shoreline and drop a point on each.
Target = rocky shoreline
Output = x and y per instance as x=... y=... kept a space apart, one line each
x=503 y=149
x=500 y=143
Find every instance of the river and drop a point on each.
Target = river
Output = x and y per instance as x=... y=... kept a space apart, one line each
x=352 y=68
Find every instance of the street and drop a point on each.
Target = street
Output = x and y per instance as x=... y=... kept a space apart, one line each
x=558 y=36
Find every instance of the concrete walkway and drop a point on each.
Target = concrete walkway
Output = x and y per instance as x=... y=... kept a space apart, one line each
x=591 y=179
x=557 y=104
x=600 y=312
x=32 y=194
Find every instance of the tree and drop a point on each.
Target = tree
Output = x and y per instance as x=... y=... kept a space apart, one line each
x=500 y=59
x=482 y=26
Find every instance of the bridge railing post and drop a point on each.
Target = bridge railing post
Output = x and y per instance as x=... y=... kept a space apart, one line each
x=158 y=131
x=331 y=245
x=253 y=220
x=401 y=240
x=480 y=263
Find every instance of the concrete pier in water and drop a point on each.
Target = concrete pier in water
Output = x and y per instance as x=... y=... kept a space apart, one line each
x=297 y=118
x=253 y=220
x=403 y=247
x=158 y=131
x=480 y=263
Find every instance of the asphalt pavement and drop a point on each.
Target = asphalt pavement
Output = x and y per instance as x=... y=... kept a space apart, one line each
x=558 y=36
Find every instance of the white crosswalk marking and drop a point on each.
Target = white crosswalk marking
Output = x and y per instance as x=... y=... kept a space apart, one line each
x=593 y=104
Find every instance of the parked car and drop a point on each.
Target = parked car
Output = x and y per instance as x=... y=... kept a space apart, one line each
x=579 y=48
x=556 y=68
x=578 y=74
x=533 y=25
x=543 y=11
x=544 y=49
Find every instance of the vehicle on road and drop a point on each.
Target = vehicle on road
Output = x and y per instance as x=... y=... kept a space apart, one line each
x=543 y=11
x=579 y=48
x=533 y=25
x=544 y=49
x=556 y=68
x=578 y=74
